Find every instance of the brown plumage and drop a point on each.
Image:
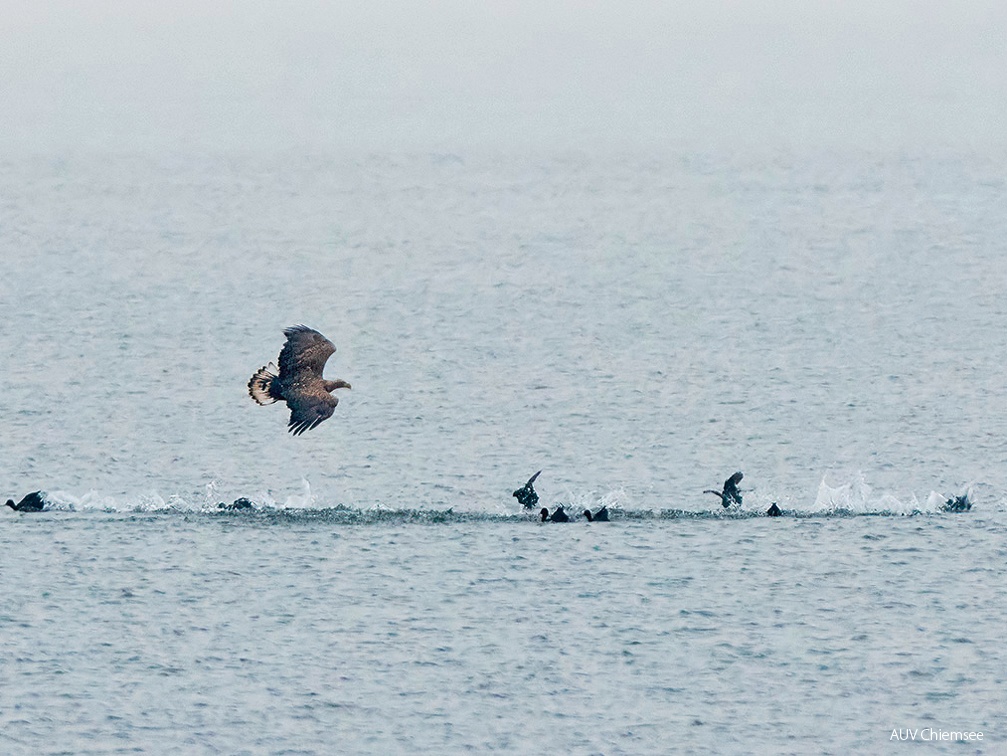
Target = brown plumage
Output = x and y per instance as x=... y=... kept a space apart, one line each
x=299 y=381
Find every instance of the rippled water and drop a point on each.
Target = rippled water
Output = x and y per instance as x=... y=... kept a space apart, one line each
x=639 y=326
x=305 y=634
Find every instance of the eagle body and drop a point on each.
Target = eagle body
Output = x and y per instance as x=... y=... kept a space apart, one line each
x=298 y=381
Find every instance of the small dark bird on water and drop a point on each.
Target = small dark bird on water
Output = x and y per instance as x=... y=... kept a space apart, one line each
x=773 y=511
x=241 y=503
x=957 y=504
x=600 y=516
x=33 y=502
x=299 y=381
x=557 y=516
x=731 y=494
x=526 y=495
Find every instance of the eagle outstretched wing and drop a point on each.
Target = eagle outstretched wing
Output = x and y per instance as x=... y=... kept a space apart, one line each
x=308 y=409
x=304 y=353
x=299 y=381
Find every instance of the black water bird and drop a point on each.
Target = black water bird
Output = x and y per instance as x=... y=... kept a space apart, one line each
x=526 y=495
x=241 y=503
x=33 y=502
x=557 y=516
x=773 y=511
x=299 y=381
x=600 y=516
x=957 y=504
x=731 y=494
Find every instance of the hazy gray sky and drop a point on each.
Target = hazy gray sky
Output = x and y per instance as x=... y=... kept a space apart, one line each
x=444 y=75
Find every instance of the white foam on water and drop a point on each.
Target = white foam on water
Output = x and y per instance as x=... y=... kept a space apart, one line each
x=856 y=496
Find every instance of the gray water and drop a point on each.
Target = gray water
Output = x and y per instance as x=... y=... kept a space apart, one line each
x=639 y=326
x=279 y=633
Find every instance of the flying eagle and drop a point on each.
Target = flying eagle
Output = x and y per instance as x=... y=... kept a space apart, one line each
x=299 y=380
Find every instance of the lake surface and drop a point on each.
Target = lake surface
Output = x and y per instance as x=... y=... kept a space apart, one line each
x=296 y=633
x=638 y=325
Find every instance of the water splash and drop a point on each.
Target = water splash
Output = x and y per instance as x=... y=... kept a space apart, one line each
x=577 y=502
x=853 y=497
x=857 y=497
x=303 y=501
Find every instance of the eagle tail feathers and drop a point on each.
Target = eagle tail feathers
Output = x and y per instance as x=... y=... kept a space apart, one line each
x=262 y=386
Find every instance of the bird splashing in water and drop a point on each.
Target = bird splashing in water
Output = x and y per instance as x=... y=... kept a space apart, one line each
x=33 y=502
x=730 y=495
x=526 y=495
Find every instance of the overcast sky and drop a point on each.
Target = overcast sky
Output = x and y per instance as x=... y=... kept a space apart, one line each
x=458 y=74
